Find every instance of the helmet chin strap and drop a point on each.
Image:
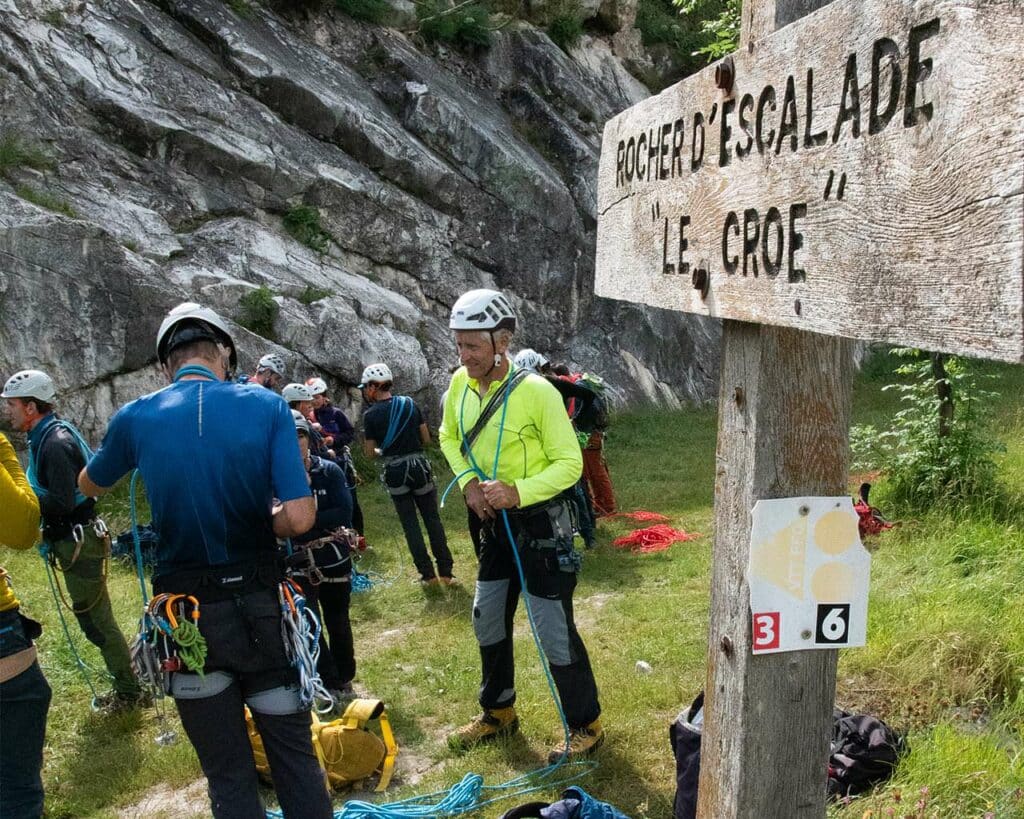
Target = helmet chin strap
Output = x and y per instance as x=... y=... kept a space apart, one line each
x=497 y=355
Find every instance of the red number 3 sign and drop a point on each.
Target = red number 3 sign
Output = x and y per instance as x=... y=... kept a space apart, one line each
x=766 y=630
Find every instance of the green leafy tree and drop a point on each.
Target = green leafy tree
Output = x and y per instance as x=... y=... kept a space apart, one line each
x=722 y=28
x=939 y=448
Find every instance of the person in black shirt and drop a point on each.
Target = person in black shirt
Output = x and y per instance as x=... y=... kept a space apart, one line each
x=394 y=431
x=322 y=564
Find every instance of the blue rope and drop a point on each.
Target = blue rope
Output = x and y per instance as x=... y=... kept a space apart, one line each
x=83 y=667
x=399 y=415
x=465 y=796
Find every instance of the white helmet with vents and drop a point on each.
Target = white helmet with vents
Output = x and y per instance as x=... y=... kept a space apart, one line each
x=482 y=310
x=377 y=374
x=296 y=392
x=30 y=384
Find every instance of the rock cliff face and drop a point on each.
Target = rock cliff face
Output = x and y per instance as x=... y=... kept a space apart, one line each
x=182 y=136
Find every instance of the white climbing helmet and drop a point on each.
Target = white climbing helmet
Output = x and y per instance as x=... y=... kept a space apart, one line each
x=482 y=310
x=30 y=384
x=301 y=424
x=317 y=386
x=376 y=373
x=296 y=392
x=530 y=359
x=192 y=322
x=272 y=362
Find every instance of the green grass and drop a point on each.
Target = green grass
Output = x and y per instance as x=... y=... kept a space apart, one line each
x=302 y=223
x=17 y=152
x=943 y=660
x=45 y=200
x=258 y=311
x=311 y=294
x=372 y=11
x=566 y=28
x=459 y=24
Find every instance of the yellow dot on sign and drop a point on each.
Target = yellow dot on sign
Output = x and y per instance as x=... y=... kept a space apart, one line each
x=835 y=532
x=832 y=583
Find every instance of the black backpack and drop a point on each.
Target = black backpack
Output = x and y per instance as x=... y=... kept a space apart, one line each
x=864 y=752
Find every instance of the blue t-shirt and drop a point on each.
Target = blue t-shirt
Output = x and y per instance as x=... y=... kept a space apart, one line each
x=213 y=455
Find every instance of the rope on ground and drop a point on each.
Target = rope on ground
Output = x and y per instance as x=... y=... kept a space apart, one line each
x=655 y=538
x=639 y=515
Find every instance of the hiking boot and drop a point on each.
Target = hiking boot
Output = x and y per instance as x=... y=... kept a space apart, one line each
x=582 y=742
x=448 y=580
x=491 y=724
x=429 y=582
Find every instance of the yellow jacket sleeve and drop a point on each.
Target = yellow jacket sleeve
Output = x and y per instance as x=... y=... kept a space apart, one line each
x=562 y=459
x=449 y=436
x=19 y=507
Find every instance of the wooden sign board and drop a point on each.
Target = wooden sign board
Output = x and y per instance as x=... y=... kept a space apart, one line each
x=863 y=177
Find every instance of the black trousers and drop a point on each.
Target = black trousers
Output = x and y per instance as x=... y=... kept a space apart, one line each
x=24 y=701
x=407 y=505
x=331 y=603
x=243 y=637
x=550 y=590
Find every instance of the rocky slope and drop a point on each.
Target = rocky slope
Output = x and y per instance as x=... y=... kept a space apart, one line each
x=181 y=133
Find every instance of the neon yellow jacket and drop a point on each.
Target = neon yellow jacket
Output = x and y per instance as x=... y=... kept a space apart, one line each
x=19 y=512
x=539 y=451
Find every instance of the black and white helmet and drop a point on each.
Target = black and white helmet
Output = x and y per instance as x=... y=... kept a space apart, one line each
x=30 y=384
x=296 y=392
x=190 y=322
x=272 y=362
x=482 y=310
x=376 y=373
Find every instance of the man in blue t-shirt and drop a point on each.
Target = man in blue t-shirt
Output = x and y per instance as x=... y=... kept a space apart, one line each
x=394 y=431
x=221 y=493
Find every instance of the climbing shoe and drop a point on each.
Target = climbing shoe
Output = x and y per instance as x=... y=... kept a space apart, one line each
x=491 y=724
x=582 y=742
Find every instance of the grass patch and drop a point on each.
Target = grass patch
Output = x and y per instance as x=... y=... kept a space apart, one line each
x=243 y=8
x=566 y=27
x=462 y=25
x=302 y=223
x=46 y=200
x=943 y=660
x=312 y=294
x=371 y=11
x=259 y=310
x=53 y=17
x=17 y=152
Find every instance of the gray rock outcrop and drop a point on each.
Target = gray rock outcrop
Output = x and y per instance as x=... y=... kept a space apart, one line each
x=183 y=134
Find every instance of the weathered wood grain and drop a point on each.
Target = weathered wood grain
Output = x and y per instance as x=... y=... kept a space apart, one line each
x=784 y=409
x=926 y=245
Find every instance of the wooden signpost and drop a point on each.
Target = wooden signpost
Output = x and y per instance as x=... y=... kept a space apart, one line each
x=857 y=173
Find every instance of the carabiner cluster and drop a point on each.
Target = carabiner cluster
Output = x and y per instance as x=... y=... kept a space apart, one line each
x=300 y=632
x=175 y=625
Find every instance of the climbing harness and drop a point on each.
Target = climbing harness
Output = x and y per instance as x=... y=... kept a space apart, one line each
x=78 y=537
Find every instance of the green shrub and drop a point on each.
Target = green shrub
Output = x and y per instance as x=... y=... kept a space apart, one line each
x=259 y=310
x=15 y=152
x=312 y=294
x=372 y=11
x=53 y=17
x=720 y=27
x=461 y=25
x=241 y=7
x=566 y=28
x=45 y=200
x=303 y=224
x=931 y=457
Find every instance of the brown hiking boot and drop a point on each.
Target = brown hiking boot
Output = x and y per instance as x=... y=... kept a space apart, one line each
x=582 y=742
x=491 y=724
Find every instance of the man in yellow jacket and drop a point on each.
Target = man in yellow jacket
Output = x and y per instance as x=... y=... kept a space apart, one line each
x=506 y=435
x=24 y=692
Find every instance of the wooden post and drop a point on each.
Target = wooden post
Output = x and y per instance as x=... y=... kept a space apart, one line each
x=783 y=421
x=783 y=428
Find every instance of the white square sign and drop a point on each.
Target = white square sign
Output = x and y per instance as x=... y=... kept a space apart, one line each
x=808 y=575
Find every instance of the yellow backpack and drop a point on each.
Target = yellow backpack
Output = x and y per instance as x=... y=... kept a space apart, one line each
x=347 y=750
